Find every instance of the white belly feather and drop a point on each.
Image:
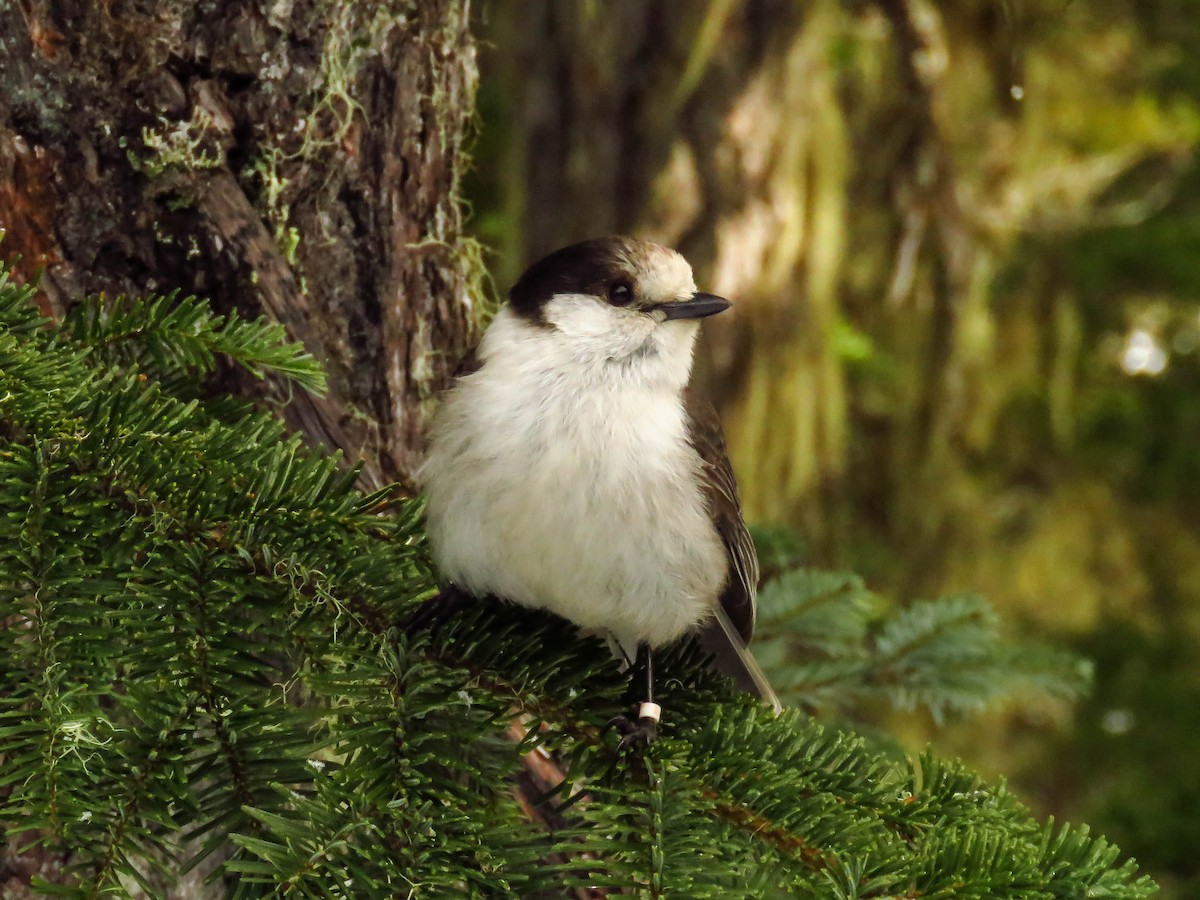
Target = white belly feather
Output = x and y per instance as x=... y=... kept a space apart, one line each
x=581 y=498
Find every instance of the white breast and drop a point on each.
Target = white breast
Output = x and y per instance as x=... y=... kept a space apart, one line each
x=561 y=487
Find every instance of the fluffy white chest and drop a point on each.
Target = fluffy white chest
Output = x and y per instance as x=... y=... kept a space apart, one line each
x=577 y=495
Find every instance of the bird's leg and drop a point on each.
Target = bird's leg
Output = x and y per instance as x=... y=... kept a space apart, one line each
x=645 y=729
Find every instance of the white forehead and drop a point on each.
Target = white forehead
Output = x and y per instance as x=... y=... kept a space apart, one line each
x=661 y=272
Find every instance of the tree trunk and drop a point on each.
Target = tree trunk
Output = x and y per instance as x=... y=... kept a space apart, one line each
x=295 y=158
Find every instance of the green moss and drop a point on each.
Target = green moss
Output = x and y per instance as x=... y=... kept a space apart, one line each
x=177 y=146
x=351 y=37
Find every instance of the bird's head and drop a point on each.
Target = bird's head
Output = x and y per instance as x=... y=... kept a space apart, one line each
x=617 y=301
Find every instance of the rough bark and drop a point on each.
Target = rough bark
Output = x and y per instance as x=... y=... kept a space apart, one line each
x=298 y=158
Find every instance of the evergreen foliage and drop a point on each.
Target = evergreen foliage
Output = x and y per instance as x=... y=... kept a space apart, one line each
x=832 y=644
x=178 y=340
x=199 y=658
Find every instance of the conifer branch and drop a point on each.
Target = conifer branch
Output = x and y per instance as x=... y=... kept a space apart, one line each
x=181 y=336
x=200 y=654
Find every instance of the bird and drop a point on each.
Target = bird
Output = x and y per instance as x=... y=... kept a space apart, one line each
x=571 y=467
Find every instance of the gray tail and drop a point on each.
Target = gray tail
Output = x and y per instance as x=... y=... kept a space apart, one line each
x=733 y=658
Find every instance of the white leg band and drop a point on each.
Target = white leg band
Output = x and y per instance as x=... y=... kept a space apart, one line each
x=650 y=711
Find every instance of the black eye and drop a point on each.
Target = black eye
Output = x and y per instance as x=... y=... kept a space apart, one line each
x=620 y=293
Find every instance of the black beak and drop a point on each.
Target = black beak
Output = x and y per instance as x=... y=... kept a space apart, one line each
x=699 y=307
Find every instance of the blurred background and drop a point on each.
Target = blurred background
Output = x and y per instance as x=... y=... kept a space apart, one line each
x=963 y=240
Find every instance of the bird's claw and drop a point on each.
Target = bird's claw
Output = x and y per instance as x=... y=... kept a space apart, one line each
x=634 y=735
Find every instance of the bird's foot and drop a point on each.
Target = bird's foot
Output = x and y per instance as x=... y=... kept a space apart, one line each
x=638 y=734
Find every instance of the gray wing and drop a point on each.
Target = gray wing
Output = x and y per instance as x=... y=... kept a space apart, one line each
x=725 y=507
x=728 y=633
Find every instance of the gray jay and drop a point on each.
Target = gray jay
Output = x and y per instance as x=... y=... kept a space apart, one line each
x=570 y=467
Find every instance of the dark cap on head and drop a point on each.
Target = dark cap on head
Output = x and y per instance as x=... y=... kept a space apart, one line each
x=590 y=267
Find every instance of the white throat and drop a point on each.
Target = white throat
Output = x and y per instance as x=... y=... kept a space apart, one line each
x=593 y=342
